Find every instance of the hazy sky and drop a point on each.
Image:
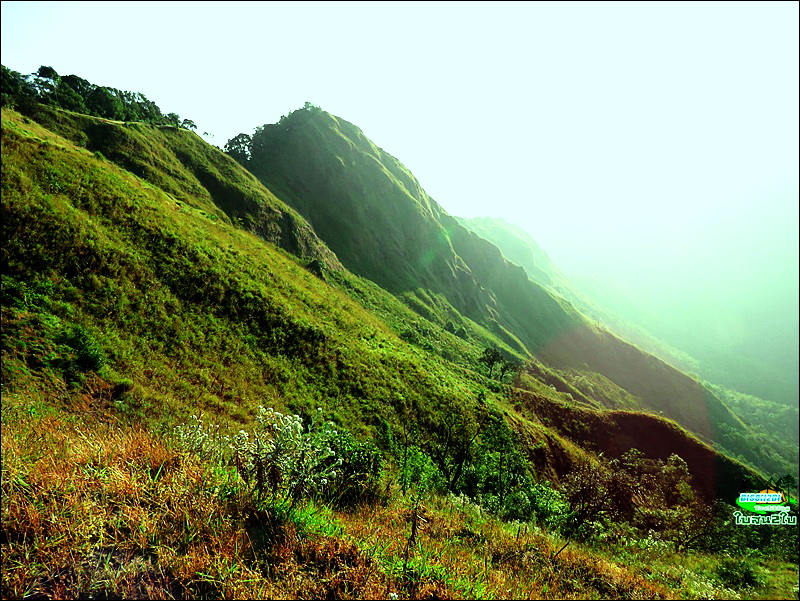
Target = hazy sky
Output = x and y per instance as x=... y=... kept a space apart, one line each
x=653 y=142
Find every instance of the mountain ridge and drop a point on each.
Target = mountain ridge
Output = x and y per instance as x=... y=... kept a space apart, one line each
x=302 y=157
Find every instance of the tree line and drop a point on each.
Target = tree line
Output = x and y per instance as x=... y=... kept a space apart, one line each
x=74 y=93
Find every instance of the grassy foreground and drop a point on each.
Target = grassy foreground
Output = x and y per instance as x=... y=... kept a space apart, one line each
x=94 y=507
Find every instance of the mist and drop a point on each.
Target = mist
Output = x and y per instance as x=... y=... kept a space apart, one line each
x=724 y=290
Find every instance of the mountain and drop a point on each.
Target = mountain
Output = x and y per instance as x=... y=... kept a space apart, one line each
x=155 y=294
x=521 y=249
x=592 y=296
x=193 y=173
x=382 y=225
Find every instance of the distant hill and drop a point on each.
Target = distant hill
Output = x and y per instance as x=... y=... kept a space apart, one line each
x=520 y=248
x=624 y=312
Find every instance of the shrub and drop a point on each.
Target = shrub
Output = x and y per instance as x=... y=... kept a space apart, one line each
x=737 y=572
x=419 y=473
x=280 y=462
x=87 y=354
x=358 y=473
x=548 y=506
x=199 y=439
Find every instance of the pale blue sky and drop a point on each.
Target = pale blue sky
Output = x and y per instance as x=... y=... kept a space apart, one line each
x=654 y=143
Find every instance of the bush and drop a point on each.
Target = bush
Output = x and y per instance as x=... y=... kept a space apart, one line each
x=280 y=462
x=548 y=506
x=358 y=473
x=87 y=354
x=199 y=439
x=737 y=572
x=419 y=473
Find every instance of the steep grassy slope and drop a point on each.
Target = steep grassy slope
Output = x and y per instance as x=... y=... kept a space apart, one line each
x=377 y=219
x=124 y=311
x=520 y=248
x=367 y=207
x=195 y=313
x=181 y=164
x=163 y=289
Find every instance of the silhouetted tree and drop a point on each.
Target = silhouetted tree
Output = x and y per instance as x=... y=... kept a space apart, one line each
x=15 y=88
x=46 y=81
x=173 y=119
x=239 y=148
x=103 y=103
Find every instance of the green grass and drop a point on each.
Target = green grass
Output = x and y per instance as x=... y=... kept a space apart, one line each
x=124 y=311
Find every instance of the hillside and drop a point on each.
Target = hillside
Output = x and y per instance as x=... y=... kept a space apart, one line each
x=521 y=249
x=383 y=226
x=776 y=433
x=148 y=278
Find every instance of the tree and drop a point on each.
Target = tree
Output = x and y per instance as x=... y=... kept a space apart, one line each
x=239 y=148
x=453 y=450
x=508 y=365
x=82 y=87
x=15 y=88
x=103 y=103
x=173 y=119
x=46 y=81
x=188 y=124
x=586 y=489
x=786 y=484
x=491 y=356
x=67 y=98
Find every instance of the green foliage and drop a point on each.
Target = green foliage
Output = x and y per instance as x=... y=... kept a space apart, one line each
x=16 y=89
x=183 y=313
x=73 y=93
x=200 y=439
x=89 y=355
x=280 y=462
x=587 y=489
x=736 y=573
x=770 y=441
x=238 y=148
x=358 y=475
x=490 y=357
x=419 y=474
x=549 y=507
x=509 y=366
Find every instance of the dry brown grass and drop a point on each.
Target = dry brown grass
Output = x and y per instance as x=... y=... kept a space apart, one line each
x=94 y=508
